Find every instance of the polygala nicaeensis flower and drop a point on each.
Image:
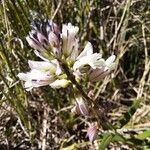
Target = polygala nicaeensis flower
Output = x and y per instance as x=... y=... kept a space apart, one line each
x=98 y=67
x=103 y=71
x=63 y=64
x=69 y=41
x=87 y=57
x=36 y=78
x=91 y=132
x=42 y=73
x=80 y=107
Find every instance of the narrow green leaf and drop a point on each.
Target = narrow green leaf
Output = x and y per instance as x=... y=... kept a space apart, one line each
x=127 y=116
x=119 y=138
x=143 y=135
x=71 y=147
x=105 y=141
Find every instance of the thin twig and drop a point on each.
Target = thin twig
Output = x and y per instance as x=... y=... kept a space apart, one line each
x=44 y=132
x=147 y=65
x=119 y=25
x=57 y=9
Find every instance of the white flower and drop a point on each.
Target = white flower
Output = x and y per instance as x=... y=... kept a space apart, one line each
x=36 y=78
x=80 y=107
x=70 y=42
x=99 y=68
x=42 y=73
x=87 y=57
x=103 y=71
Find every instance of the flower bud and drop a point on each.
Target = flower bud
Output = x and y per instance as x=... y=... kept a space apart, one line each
x=80 y=107
x=60 y=84
x=33 y=43
x=53 y=40
x=91 y=132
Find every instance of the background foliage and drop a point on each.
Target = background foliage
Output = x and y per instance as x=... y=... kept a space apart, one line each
x=41 y=119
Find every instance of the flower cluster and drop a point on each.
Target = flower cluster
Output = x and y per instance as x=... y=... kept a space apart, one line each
x=56 y=47
x=51 y=44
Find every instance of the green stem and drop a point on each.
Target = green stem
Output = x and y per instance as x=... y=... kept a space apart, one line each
x=71 y=77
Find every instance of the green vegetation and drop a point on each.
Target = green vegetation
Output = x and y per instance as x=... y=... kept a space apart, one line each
x=42 y=118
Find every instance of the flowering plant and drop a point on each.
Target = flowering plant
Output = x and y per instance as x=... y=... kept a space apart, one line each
x=63 y=64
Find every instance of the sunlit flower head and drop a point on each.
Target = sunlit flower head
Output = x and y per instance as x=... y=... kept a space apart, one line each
x=53 y=45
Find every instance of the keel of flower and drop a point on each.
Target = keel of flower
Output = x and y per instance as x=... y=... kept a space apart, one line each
x=60 y=84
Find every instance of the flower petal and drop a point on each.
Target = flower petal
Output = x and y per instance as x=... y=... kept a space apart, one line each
x=93 y=60
x=39 y=54
x=88 y=50
x=110 y=60
x=42 y=65
x=91 y=132
x=68 y=36
x=34 y=44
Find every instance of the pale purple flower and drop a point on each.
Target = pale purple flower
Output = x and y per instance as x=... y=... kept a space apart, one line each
x=92 y=64
x=69 y=41
x=36 y=78
x=80 y=107
x=91 y=132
